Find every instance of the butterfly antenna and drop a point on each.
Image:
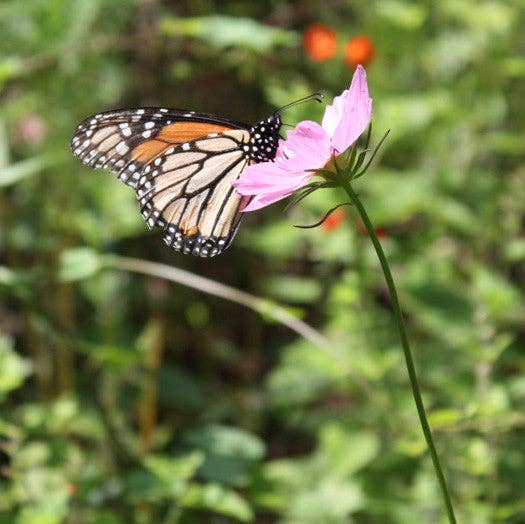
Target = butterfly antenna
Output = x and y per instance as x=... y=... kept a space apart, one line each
x=314 y=96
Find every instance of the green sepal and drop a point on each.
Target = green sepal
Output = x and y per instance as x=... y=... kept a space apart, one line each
x=372 y=156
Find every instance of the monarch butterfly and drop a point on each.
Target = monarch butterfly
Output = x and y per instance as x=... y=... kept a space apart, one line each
x=181 y=165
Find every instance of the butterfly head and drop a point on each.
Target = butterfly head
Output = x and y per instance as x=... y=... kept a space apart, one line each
x=264 y=136
x=264 y=139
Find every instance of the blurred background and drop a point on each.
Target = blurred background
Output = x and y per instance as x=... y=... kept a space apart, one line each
x=128 y=398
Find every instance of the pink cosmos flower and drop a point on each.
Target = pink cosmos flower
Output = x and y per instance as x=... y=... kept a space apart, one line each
x=309 y=146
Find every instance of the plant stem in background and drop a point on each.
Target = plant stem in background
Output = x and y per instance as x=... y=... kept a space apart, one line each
x=264 y=307
x=147 y=408
x=406 y=347
x=206 y=285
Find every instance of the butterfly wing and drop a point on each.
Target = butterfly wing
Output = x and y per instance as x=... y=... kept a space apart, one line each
x=180 y=163
x=187 y=191
x=125 y=141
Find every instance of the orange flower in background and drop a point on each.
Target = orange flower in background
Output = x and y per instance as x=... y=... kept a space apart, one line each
x=359 y=50
x=320 y=42
x=334 y=220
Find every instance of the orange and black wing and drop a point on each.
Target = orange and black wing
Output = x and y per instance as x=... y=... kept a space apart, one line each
x=180 y=163
x=125 y=141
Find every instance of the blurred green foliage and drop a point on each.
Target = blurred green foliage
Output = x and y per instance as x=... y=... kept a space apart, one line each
x=126 y=399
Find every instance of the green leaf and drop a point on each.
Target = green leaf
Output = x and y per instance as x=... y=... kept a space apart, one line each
x=409 y=115
x=144 y=485
x=332 y=500
x=113 y=358
x=443 y=417
x=492 y=17
x=215 y=497
x=499 y=296
x=515 y=250
x=8 y=277
x=13 y=368
x=13 y=173
x=46 y=489
x=31 y=457
x=403 y=14
x=173 y=472
x=170 y=469
x=230 y=453
x=225 y=440
x=269 y=239
x=444 y=311
x=82 y=23
x=411 y=446
x=347 y=450
x=79 y=263
x=107 y=517
x=394 y=197
x=303 y=375
x=38 y=515
x=288 y=386
x=225 y=31
x=293 y=289
x=10 y=67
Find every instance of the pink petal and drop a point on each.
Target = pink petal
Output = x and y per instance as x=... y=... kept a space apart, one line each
x=265 y=199
x=259 y=177
x=333 y=113
x=268 y=183
x=306 y=147
x=260 y=201
x=356 y=112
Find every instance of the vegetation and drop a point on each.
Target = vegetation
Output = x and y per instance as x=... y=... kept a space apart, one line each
x=132 y=392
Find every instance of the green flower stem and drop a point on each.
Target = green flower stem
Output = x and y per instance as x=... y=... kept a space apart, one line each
x=406 y=348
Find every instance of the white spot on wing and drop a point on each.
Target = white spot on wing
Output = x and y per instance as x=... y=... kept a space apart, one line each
x=122 y=148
